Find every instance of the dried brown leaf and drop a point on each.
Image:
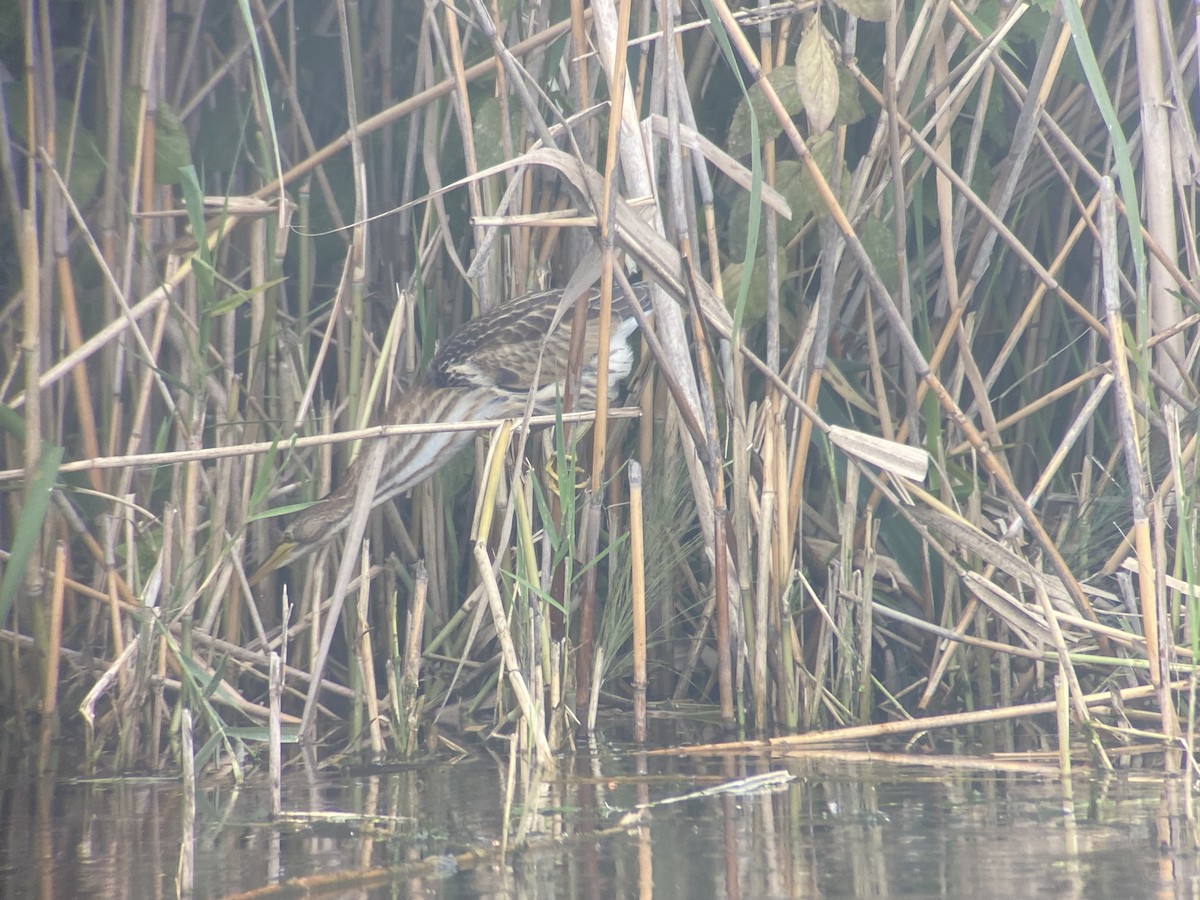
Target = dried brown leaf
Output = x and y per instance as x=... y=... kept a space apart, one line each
x=817 y=77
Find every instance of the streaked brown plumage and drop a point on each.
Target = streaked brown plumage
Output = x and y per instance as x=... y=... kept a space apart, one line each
x=485 y=370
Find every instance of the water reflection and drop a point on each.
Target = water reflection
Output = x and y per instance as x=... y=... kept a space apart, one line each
x=837 y=826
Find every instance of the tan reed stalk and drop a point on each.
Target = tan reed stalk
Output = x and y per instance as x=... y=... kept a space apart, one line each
x=787 y=663
x=79 y=379
x=53 y=650
x=618 y=80
x=911 y=726
x=330 y=437
x=1148 y=594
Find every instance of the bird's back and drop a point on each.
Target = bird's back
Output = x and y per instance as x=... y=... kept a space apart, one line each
x=500 y=350
x=485 y=370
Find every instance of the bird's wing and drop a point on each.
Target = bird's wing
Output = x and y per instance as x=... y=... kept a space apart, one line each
x=500 y=349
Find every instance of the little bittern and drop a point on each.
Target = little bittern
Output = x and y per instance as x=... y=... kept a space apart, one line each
x=485 y=370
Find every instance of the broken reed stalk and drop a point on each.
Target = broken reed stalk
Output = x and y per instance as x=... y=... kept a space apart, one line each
x=275 y=732
x=185 y=873
x=409 y=705
x=638 y=592
x=1062 y=702
x=883 y=730
x=866 y=622
x=758 y=669
x=365 y=656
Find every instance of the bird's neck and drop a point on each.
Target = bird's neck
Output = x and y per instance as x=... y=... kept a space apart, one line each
x=413 y=457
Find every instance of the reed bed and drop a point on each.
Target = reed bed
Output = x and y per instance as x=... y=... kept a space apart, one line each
x=915 y=424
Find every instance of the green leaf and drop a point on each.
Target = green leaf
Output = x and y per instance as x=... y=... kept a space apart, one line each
x=793 y=181
x=276 y=511
x=850 y=108
x=783 y=80
x=172 y=149
x=83 y=171
x=880 y=243
x=237 y=297
x=756 y=297
x=193 y=201
x=218 y=676
x=29 y=526
x=221 y=137
x=721 y=35
x=489 y=135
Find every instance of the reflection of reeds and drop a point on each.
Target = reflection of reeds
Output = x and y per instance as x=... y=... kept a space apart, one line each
x=911 y=266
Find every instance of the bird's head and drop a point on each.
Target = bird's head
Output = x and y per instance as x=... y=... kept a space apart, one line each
x=311 y=529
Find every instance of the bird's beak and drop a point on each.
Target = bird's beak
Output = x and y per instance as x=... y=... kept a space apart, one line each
x=281 y=556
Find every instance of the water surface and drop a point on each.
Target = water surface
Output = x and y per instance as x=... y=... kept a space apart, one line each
x=835 y=826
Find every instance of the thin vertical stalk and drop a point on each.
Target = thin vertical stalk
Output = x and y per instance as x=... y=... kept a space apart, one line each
x=866 y=623
x=365 y=655
x=411 y=672
x=31 y=279
x=275 y=732
x=31 y=350
x=53 y=649
x=358 y=243
x=638 y=577
x=186 y=872
x=758 y=681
